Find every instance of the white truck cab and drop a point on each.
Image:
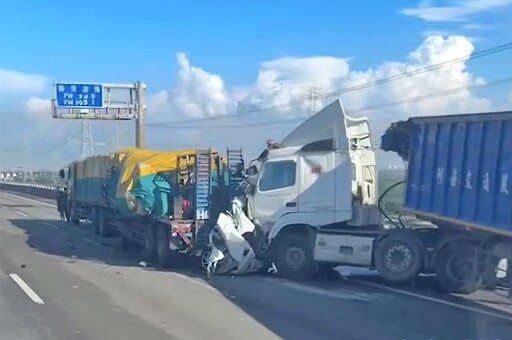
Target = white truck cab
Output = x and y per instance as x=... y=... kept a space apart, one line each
x=315 y=194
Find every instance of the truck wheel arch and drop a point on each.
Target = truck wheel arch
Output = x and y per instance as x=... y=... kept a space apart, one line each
x=410 y=260
x=294 y=239
x=290 y=229
x=449 y=241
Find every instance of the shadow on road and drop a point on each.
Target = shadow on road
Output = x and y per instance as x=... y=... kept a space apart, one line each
x=321 y=308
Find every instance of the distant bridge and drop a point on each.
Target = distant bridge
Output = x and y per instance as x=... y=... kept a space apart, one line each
x=40 y=176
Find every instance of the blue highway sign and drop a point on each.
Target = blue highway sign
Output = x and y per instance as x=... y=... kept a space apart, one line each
x=79 y=95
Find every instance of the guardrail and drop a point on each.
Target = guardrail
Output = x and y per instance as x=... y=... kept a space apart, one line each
x=41 y=190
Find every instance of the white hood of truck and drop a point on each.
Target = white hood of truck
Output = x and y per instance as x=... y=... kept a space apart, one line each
x=329 y=123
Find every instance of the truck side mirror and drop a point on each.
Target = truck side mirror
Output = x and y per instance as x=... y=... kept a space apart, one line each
x=263 y=155
x=61 y=173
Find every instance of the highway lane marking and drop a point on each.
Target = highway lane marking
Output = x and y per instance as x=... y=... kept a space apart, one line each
x=335 y=294
x=50 y=225
x=26 y=288
x=31 y=200
x=431 y=299
x=21 y=213
x=94 y=243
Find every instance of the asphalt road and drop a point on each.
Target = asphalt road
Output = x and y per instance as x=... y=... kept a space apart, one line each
x=82 y=287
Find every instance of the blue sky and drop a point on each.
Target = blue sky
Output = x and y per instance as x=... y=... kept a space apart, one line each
x=125 y=41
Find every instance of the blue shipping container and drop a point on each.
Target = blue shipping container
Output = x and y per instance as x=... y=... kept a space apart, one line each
x=459 y=168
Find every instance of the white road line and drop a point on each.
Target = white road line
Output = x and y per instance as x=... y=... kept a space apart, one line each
x=30 y=200
x=50 y=225
x=25 y=287
x=21 y=213
x=94 y=243
x=333 y=294
x=428 y=298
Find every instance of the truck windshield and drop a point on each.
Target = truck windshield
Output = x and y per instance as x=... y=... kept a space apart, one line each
x=277 y=175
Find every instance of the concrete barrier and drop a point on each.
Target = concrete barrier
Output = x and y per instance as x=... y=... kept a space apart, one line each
x=41 y=190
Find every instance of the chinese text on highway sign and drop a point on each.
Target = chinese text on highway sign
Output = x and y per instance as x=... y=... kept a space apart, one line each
x=79 y=95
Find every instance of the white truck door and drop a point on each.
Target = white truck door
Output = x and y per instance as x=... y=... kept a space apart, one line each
x=277 y=191
x=317 y=184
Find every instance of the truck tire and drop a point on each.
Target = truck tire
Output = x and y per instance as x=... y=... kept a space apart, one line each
x=399 y=256
x=126 y=243
x=101 y=222
x=72 y=215
x=150 y=247
x=453 y=269
x=293 y=257
x=94 y=221
x=163 y=253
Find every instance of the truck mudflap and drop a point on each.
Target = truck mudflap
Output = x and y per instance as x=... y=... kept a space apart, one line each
x=231 y=253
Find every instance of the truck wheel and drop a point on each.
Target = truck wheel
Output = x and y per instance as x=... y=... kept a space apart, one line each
x=103 y=227
x=126 y=243
x=293 y=257
x=399 y=256
x=94 y=221
x=164 y=254
x=150 y=244
x=74 y=220
x=453 y=267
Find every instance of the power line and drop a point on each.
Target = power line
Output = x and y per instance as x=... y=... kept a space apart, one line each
x=407 y=74
x=359 y=110
x=28 y=145
x=422 y=70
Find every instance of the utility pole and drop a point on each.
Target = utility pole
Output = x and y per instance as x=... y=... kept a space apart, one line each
x=86 y=139
x=313 y=96
x=140 y=111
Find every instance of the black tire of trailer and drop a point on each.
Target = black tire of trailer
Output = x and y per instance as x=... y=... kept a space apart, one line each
x=290 y=245
x=150 y=247
x=72 y=215
x=412 y=250
x=443 y=267
x=104 y=229
x=165 y=256
x=126 y=242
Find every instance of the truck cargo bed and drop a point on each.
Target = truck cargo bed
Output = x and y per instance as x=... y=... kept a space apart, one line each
x=459 y=168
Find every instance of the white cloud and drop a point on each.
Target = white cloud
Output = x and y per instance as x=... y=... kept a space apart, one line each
x=289 y=80
x=38 y=107
x=199 y=94
x=509 y=97
x=459 y=10
x=18 y=82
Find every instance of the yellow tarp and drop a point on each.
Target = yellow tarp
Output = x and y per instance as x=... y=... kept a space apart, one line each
x=140 y=163
x=128 y=165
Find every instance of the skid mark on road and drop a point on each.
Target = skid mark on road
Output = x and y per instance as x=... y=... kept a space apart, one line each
x=26 y=288
x=94 y=243
x=431 y=299
x=197 y=282
x=352 y=295
x=30 y=200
